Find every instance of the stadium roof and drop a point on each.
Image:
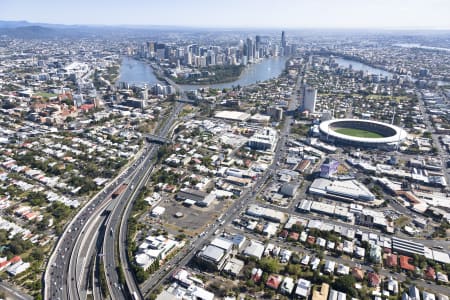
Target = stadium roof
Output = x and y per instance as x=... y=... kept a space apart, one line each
x=326 y=129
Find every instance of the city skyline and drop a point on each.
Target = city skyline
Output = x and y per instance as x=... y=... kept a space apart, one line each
x=222 y=150
x=347 y=14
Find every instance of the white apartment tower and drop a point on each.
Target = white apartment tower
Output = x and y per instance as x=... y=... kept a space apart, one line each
x=309 y=99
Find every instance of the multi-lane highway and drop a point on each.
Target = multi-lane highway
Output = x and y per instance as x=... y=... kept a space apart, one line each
x=110 y=257
x=59 y=271
x=116 y=239
x=66 y=273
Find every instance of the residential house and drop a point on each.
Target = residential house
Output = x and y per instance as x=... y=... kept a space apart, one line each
x=303 y=288
x=274 y=281
x=329 y=267
x=287 y=286
x=373 y=279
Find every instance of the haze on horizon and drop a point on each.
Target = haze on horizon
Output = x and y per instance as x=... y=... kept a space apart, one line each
x=391 y=14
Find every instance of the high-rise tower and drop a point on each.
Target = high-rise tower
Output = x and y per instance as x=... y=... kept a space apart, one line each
x=309 y=99
x=283 y=43
x=250 y=49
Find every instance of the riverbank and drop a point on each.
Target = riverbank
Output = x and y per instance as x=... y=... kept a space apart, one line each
x=215 y=75
x=355 y=59
x=140 y=71
x=377 y=69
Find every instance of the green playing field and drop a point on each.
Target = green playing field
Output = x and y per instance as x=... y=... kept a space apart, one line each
x=358 y=133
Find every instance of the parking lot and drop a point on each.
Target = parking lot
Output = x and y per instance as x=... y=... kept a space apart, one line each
x=194 y=219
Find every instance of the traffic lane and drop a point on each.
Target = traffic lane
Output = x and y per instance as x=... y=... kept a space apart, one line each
x=13 y=293
x=87 y=252
x=109 y=249
x=71 y=275
x=65 y=261
x=87 y=213
x=139 y=181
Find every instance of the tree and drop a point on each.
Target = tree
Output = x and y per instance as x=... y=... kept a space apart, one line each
x=37 y=254
x=59 y=211
x=297 y=228
x=295 y=258
x=141 y=275
x=345 y=284
x=36 y=198
x=427 y=135
x=163 y=152
x=292 y=269
x=270 y=265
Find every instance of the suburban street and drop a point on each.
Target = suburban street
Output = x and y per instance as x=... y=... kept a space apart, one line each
x=13 y=293
x=185 y=255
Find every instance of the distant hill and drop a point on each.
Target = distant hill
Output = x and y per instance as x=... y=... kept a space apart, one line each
x=13 y=24
x=28 y=32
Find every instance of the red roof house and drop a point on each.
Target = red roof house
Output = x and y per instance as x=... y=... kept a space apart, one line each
x=404 y=263
x=15 y=259
x=374 y=279
x=274 y=281
x=430 y=273
x=392 y=260
x=358 y=273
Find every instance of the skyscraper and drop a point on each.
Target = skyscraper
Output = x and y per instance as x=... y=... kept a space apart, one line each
x=250 y=49
x=258 y=47
x=309 y=99
x=258 y=42
x=283 y=44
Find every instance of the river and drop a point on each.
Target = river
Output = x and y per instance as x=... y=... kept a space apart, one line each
x=413 y=45
x=266 y=69
x=136 y=72
x=371 y=70
x=361 y=67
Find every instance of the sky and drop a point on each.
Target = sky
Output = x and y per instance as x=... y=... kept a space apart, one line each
x=390 y=14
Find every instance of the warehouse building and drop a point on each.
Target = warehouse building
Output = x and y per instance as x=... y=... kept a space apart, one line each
x=347 y=190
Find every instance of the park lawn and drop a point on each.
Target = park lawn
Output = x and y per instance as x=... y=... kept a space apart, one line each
x=46 y=95
x=358 y=133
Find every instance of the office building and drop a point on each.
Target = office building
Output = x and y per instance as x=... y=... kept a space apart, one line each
x=283 y=44
x=265 y=140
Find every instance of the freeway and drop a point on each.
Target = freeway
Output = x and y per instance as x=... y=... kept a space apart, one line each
x=83 y=252
x=56 y=278
x=111 y=264
x=117 y=226
x=66 y=275
x=87 y=244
